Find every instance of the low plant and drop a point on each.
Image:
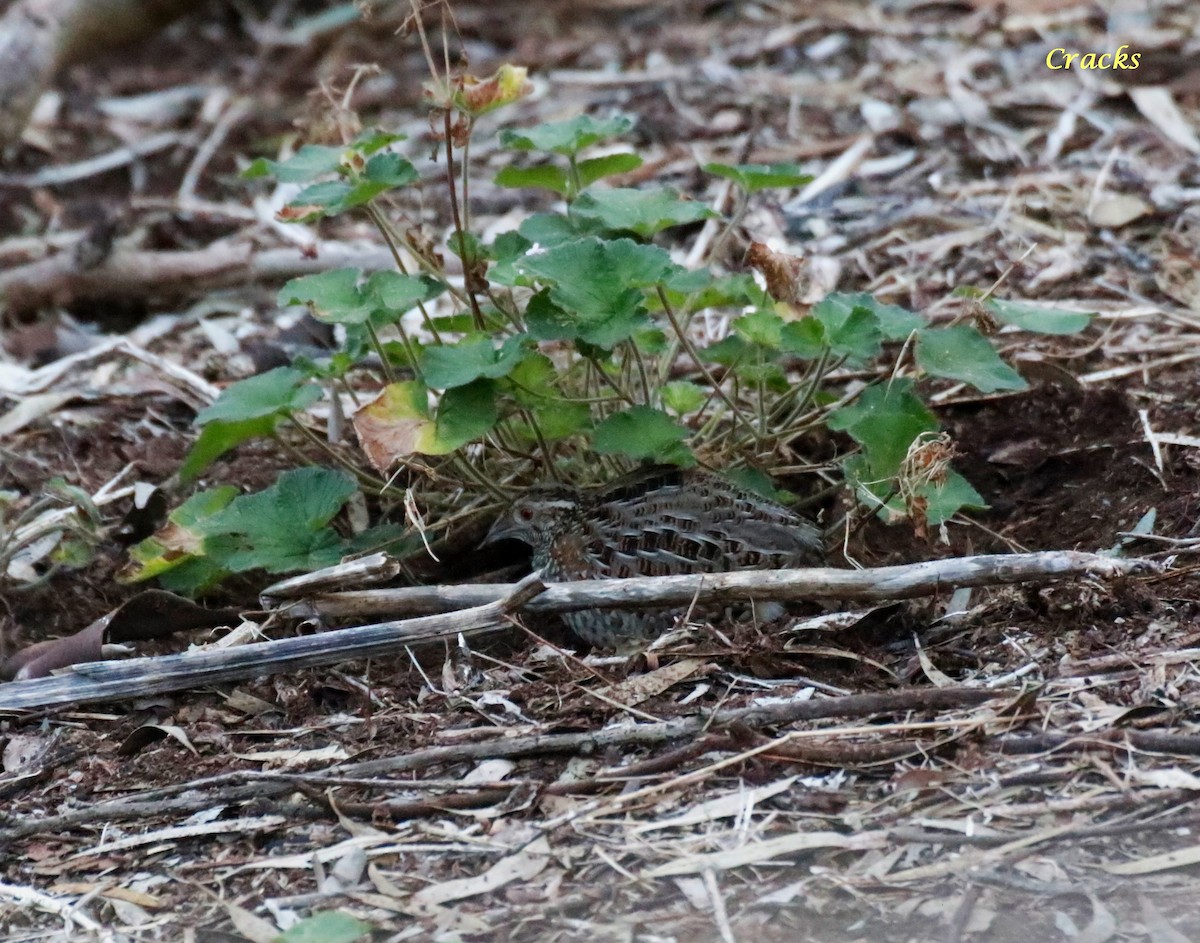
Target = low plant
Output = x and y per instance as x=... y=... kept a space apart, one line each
x=568 y=346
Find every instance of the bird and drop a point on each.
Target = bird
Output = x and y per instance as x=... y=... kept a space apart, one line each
x=657 y=521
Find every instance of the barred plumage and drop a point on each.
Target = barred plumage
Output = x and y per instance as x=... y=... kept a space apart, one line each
x=659 y=521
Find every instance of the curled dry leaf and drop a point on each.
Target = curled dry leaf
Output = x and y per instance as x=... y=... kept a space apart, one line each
x=783 y=272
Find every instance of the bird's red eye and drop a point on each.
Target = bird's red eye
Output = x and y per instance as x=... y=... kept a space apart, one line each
x=525 y=514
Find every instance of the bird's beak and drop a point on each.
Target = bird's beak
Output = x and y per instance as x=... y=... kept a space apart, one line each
x=505 y=528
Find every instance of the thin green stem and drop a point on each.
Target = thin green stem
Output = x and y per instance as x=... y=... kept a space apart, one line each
x=364 y=478
x=385 y=230
x=537 y=433
x=642 y=374
x=691 y=352
x=468 y=469
x=456 y=215
x=373 y=335
x=610 y=382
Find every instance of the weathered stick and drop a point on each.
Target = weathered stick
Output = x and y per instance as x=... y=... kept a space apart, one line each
x=139 y=274
x=99 y=681
x=889 y=582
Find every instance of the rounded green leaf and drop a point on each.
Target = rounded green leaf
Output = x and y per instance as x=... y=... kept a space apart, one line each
x=644 y=212
x=282 y=390
x=333 y=296
x=1041 y=320
x=884 y=420
x=450 y=365
x=597 y=167
x=545 y=177
x=755 y=177
x=396 y=293
x=464 y=414
x=568 y=137
x=330 y=926
x=639 y=432
x=895 y=322
x=683 y=397
x=600 y=282
x=761 y=327
x=850 y=331
x=962 y=353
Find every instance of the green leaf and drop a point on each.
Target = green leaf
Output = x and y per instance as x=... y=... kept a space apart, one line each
x=696 y=289
x=650 y=341
x=805 y=338
x=330 y=926
x=547 y=321
x=884 y=420
x=640 y=432
x=955 y=495
x=282 y=528
x=1038 y=319
x=180 y=539
x=895 y=322
x=532 y=380
x=381 y=173
x=728 y=351
x=333 y=296
x=644 y=212
x=218 y=437
x=390 y=171
x=761 y=327
x=854 y=334
x=193 y=576
x=545 y=177
x=767 y=373
x=942 y=501
x=247 y=409
x=280 y=391
x=568 y=137
x=755 y=177
x=464 y=414
x=601 y=283
x=962 y=353
x=340 y=296
x=321 y=199
x=308 y=163
x=595 y=168
x=394 y=294
x=509 y=245
x=758 y=482
x=372 y=140
x=682 y=397
x=450 y=365
x=552 y=229
x=557 y=421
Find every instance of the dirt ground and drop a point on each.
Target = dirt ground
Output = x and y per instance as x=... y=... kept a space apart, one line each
x=1021 y=771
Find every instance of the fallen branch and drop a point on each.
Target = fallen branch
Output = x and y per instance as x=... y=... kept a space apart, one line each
x=140 y=275
x=889 y=582
x=99 y=681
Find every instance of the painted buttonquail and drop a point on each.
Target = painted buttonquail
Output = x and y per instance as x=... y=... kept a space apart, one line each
x=654 y=522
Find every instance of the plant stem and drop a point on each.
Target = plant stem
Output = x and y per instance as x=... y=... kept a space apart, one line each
x=385 y=230
x=468 y=469
x=364 y=478
x=383 y=361
x=456 y=215
x=641 y=368
x=691 y=352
